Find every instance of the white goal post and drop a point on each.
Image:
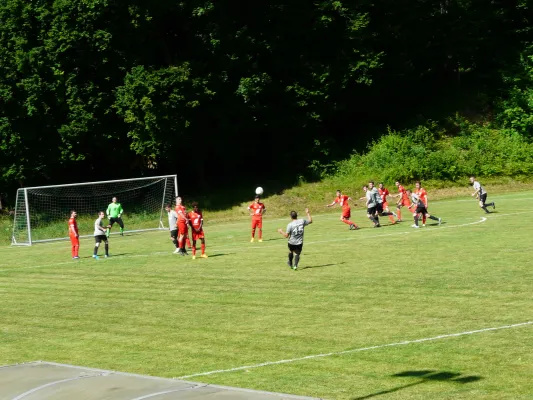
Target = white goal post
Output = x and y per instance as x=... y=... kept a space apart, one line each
x=42 y=213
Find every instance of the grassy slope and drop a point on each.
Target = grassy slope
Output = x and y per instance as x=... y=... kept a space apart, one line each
x=148 y=311
x=312 y=195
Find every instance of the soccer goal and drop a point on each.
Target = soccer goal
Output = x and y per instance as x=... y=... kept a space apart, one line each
x=42 y=213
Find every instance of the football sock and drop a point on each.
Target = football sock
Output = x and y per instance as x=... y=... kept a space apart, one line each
x=433 y=218
x=203 y=248
x=95 y=250
x=253 y=232
x=106 y=249
x=76 y=250
x=193 y=249
x=296 y=260
x=416 y=220
x=424 y=219
x=399 y=213
x=187 y=241
x=347 y=222
x=290 y=258
x=260 y=233
x=107 y=232
x=121 y=230
x=485 y=209
x=391 y=217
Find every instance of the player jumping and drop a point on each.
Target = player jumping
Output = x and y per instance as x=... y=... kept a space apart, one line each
x=197 y=223
x=114 y=214
x=100 y=235
x=73 y=234
x=481 y=195
x=419 y=207
x=257 y=209
x=342 y=200
x=295 y=233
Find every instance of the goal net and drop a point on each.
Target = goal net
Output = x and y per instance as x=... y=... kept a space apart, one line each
x=42 y=213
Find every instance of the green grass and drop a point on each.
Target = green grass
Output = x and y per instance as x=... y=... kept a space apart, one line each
x=147 y=311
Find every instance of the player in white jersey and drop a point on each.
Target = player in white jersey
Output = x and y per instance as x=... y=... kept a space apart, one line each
x=295 y=234
x=481 y=195
x=100 y=235
x=173 y=226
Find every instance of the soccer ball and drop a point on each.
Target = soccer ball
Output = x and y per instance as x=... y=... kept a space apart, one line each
x=259 y=190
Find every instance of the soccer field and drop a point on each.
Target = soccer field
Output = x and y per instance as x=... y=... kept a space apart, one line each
x=393 y=313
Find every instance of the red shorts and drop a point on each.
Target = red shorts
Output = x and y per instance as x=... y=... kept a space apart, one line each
x=257 y=223
x=182 y=228
x=404 y=202
x=74 y=240
x=197 y=235
x=346 y=213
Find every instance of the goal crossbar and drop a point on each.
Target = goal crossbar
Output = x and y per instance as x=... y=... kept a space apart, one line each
x=42 y=212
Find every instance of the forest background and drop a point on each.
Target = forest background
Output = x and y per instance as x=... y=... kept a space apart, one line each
x=230 y=95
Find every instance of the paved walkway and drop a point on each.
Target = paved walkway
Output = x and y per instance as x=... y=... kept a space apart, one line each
x=44 y=380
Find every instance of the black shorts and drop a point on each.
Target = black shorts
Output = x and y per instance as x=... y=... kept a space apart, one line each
x=174 y=234
x=379 y=208
x=100 y=238
x=296 y=248
x=371 y=210
x=483 y=198
x=421 y=209
x=118 y=220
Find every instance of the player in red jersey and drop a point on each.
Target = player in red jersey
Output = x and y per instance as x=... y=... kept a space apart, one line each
x=182 y=225
x=423 y=196
x=257 y=209
x=384 y=192
x=197 y=223
x=403 y=201
x=73 y=234
x=342 y=200
x=187 y=241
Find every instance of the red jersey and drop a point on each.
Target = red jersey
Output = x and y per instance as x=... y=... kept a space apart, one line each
x=384 y=193
x=72 y=227
x=196 y=219
x=342 y=201
x=403 y=193
x=182 y=213
x=422 y=195
x=257 y=209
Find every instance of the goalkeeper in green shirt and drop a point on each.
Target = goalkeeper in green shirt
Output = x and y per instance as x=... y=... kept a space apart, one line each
x=114 y=213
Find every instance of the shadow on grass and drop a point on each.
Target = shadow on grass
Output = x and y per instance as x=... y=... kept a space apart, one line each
x=425 y=376
x=220 y=255
x=321 y=266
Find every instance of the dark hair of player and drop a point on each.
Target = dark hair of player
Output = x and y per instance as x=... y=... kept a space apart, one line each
x=168 y=205
x=372 y=182
x=101 y=212
x=418 y=183
x=294 y=215
x=194 y=204
x=339 y=191
x=257 y=196
x=472 y=176
x=72 y=211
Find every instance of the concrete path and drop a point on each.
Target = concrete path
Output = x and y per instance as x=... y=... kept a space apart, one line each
x=45 y=380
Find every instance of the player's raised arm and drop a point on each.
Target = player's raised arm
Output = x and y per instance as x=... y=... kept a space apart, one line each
x=309 y=218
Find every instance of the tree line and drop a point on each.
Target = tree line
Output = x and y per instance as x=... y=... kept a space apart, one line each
x=231 y=91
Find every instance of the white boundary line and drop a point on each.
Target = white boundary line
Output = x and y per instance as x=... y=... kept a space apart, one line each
x=239 y=247
x=310 y=357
